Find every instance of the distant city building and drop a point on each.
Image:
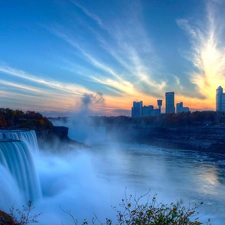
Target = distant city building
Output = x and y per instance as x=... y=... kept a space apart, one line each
x=159 y=102
x=155 y=112
x=136 y=110
x=170 y=102
x=220 y=99
x=147 y=111
x=180 y=108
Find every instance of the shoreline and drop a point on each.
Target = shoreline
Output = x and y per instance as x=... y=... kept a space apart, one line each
x=205 y=139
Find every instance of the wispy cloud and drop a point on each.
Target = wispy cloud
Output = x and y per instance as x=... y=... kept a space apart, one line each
x=89 y=14
x=207 y=49
x=184 y=24
x=116 y=80
x=20 y=86
x=63 y=87
x=87 y=56
x=177 y=79
x=129 y=46
x=37 y=94
x=121 y=82
x=38 y=103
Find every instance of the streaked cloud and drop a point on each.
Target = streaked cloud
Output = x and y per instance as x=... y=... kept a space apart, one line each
x=89 y=14
x=207 y=50
x=130 y=49
x=20 y=86
x=184 y=24
x=47 y=83
x=39 y=94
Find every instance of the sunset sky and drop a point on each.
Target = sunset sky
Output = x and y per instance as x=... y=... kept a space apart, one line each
x=56 y=55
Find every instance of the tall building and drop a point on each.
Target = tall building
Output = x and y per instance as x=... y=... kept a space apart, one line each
x=159 y=102
x=136 y=110
x=180 y=108
x=147 y=111
x=170 y=102
x=220 y=99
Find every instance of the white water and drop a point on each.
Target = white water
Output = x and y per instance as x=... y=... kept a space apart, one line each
x=16 y=160
x=90 y=180
x=29 y=137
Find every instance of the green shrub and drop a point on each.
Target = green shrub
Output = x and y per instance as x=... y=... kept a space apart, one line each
x=132 y=212
x=153 y=213
x=24 y=216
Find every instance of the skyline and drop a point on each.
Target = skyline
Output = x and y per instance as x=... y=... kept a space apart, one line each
x=58 y=56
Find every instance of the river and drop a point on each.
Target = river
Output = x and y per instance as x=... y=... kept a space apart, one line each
x=91 y=181
x=190 y=176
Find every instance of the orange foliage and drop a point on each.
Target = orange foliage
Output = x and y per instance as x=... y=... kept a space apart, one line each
x=6 y=219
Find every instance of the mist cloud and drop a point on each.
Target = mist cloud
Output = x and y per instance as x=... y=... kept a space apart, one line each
x=91 y=99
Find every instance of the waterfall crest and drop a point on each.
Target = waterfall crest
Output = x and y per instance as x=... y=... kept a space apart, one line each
x=16 y=156
x=28 y=136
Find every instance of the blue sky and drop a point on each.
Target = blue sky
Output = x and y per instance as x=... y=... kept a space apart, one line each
x=56 y=54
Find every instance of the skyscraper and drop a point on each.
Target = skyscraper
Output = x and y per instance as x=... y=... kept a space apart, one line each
x=220 y=99
x=136 y=109
x=170 y=102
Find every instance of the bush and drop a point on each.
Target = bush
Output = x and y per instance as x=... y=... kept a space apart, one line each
x=153 y=213
x=19 y=217
x=132 y=212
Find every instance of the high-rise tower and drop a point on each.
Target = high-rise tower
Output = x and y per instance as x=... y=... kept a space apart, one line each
x=220 y=99
x=170 y=102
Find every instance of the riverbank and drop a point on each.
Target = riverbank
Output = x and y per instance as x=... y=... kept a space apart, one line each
x=202 y=138
x=209 y=139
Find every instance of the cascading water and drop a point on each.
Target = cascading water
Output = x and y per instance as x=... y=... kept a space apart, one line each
x=28 y=136
x=16 y=157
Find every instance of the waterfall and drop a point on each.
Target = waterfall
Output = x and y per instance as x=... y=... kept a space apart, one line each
x=28 y=136
x=16 y=157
